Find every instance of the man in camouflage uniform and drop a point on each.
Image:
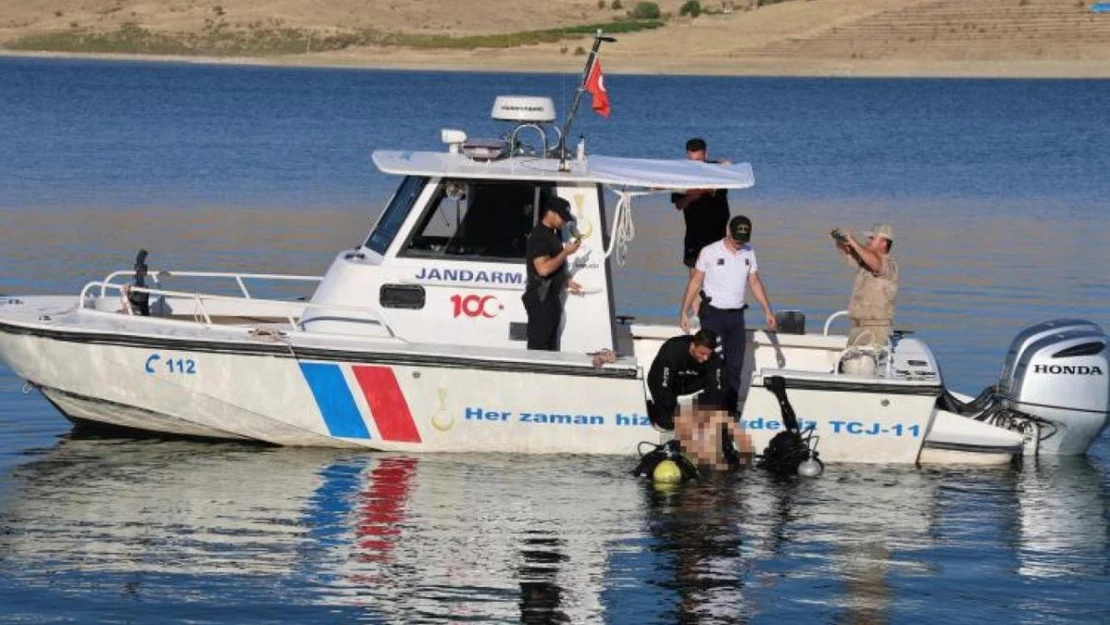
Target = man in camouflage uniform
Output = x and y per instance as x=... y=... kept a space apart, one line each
x=871 y=307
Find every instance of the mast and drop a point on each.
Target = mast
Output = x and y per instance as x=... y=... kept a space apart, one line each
x=562 y=149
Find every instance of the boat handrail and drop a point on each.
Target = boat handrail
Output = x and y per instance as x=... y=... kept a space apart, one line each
x=831 y=318
x=199 y=298
x=237 y=276
x=888 y=357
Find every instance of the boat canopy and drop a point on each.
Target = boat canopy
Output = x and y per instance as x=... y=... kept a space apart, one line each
x=655 y=174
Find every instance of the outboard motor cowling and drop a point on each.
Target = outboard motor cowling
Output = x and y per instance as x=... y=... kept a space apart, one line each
x=1059 y=377
x=1032 y=334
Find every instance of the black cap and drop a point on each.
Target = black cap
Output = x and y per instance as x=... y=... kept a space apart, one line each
x=559 y=206
x=740 y=229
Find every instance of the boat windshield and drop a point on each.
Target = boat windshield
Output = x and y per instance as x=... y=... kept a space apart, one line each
x=394 y=215
x=479 y=219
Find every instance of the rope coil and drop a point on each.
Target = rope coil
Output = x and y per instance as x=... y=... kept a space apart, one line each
x=624 y=230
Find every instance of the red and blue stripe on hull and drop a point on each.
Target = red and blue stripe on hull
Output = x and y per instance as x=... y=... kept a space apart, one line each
x=389 y=411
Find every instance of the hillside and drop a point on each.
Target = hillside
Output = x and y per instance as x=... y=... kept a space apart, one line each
x=815 y=37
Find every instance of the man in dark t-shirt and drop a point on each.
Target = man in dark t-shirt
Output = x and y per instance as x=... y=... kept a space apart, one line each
x=547 y=274
x=705 y=211
x=684 y=365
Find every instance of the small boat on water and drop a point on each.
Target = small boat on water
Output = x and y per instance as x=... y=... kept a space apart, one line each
x=413 y=341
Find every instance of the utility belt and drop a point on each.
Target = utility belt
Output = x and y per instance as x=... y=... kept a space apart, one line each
x=728 y=310
x=707 y=305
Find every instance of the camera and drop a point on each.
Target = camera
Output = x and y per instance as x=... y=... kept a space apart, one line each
x=839 y=236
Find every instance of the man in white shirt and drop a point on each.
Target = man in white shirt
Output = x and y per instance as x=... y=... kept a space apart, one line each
x=722 y=274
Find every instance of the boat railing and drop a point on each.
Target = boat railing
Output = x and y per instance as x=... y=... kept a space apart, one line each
x=883 y=355
x=201 y=311
x=833 y=317
x=239 y=278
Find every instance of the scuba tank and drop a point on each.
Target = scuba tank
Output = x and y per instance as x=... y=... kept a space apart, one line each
x=671 y=451
x=789 y=452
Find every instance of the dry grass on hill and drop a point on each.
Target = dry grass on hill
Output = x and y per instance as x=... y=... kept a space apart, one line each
x=984 y=37
x=959 y=30
x=877 y=37
x=452 y=17
x=268 y=28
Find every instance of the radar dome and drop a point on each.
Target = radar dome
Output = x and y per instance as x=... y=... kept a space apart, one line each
x=523 y=109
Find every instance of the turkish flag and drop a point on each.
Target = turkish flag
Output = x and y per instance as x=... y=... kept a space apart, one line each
x=595 y=84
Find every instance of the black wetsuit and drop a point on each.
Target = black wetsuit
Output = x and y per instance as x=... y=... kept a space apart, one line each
x=706 y=219
x=674 y=373
x=542 y=295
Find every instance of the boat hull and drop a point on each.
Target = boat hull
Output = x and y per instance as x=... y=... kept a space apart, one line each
x=852 y=421
x=855 y=418
x=271 y=393
x=955 y=439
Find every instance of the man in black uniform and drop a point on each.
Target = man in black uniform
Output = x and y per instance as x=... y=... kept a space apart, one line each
x=547 y=274
x=684 y=365
x=140 y=300
x=706 y=211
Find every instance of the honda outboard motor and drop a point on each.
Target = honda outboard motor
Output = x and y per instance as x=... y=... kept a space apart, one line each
x=1059 y=377
x=1032 y=334
x=1054 y=388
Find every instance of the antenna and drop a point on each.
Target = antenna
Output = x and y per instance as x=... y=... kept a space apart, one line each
x=598 y=39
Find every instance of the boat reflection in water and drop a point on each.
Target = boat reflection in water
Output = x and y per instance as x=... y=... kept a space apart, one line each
x=106 y=506
x=1065 y=519
x=374 y=535
x=316 y=533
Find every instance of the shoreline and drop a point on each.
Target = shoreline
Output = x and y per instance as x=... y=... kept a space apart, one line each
x=542 y=59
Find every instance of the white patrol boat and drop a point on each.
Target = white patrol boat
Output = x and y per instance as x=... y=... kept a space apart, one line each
x=414 y=341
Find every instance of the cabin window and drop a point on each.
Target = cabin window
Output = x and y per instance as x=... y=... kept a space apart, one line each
x=478 y=219
x=410 y=296
x=394 y=216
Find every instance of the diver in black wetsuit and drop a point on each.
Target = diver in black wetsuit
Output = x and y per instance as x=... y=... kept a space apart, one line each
x=684 y=365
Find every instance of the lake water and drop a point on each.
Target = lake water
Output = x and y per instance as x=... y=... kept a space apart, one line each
x=998 y=194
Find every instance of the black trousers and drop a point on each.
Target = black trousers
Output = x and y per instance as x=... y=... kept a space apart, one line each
x=543 y=321
x=140 y=304
x=729 y=326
